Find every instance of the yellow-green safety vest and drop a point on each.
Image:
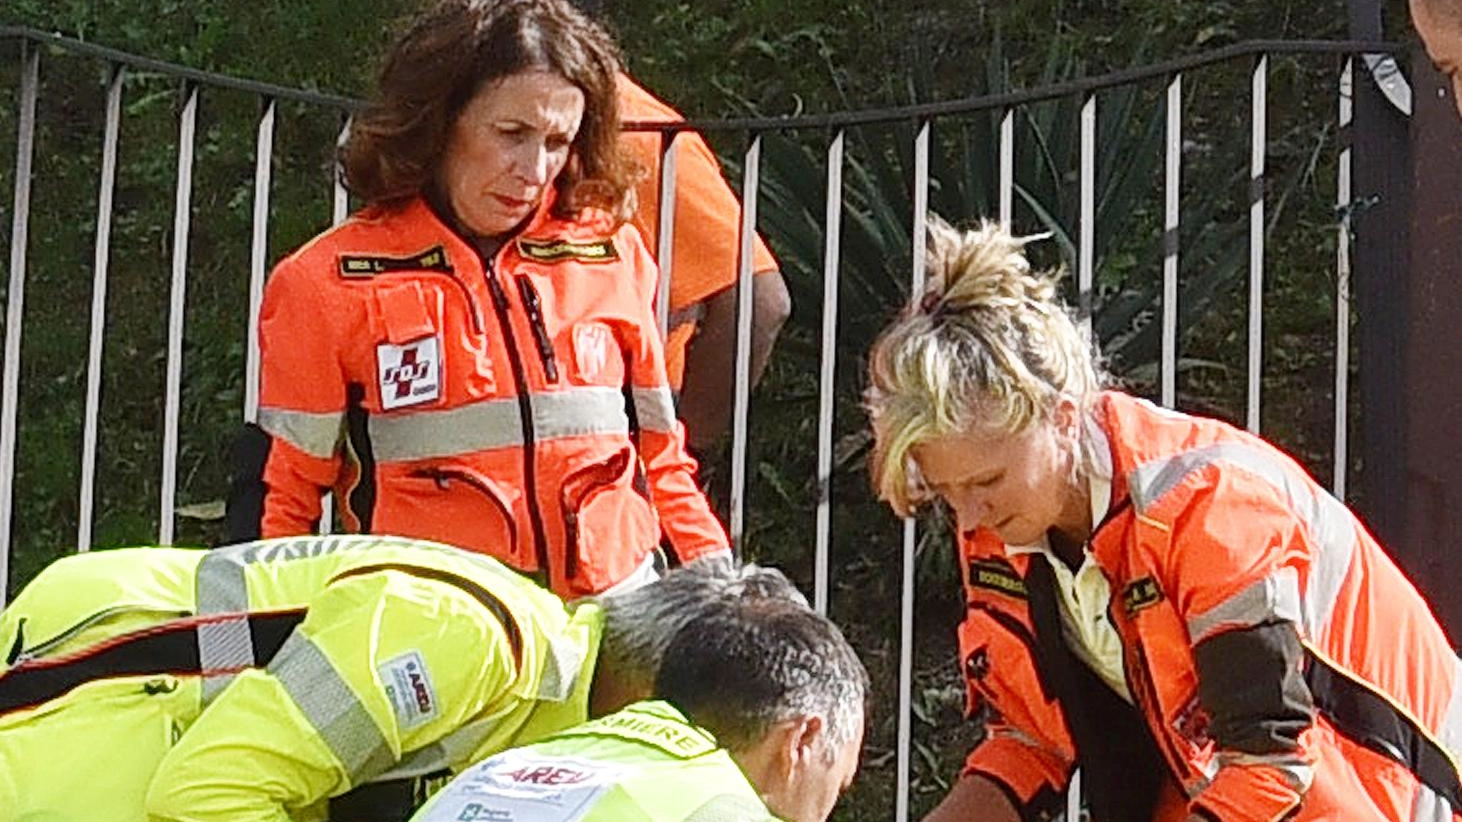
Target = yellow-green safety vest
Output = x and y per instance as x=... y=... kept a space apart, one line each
x=323 y=663
x=646 y=763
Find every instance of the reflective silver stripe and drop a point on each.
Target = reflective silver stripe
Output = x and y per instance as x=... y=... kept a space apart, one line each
x=1430 y=806
x=1275 y=597
x=655 y=409
x=332 y=708
x=482 y=426
x=577 y=412
x=1328 y=524
x=315 y=434
x=1298 y=772
x=227 y=645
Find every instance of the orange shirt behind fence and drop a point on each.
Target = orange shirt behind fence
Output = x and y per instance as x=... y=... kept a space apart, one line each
x=707 y=219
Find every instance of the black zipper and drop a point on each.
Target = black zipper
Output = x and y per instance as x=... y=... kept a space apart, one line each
x=1177 y=764
x=534 y=308
x=525 y=413
x=441 y=476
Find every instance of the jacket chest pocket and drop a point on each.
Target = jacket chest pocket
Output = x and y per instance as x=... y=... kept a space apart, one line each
x=422 y=351
x=456 y=505
x=608 y=525
x=597 y=358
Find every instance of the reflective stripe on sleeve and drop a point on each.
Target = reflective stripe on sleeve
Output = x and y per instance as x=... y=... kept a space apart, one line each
x=1328 y=524
x=332 y=709
x=491 y=424
x=315 y=434
x=1431 y=806
x=224 y=648
x=1273 y=598
x=655 y=408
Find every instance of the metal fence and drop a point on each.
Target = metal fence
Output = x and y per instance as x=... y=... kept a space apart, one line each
x=934 y=128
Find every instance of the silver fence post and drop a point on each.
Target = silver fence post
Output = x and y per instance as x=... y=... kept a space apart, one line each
x=258 y=253
x=750 y=181
x=665 y=241
x=339 y=210
x=30 y=81
x=1086 y=252
x=1170 y=242
x=1258 y=140
x=182 y=218
x=827 y=383
x=1342 y=280
x=911 y=526
x=101 y=261
x=1007 y=167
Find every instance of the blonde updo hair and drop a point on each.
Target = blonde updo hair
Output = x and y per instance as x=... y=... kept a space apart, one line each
x=987 y=346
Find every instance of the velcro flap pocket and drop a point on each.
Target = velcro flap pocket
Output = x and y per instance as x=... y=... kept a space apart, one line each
x=405 y=311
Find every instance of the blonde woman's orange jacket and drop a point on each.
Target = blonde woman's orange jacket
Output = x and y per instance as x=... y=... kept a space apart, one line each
x=1280 y=666
x=513 y=403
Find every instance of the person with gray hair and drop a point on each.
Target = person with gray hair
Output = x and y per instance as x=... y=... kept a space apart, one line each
x=262 y=679
x=759 y=715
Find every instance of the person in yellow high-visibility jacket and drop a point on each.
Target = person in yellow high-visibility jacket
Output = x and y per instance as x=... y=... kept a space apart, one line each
x=261 y=680
x=759 y=716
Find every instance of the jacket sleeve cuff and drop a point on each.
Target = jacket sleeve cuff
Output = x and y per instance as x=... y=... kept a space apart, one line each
x=1028 y=775
x=1247 y=793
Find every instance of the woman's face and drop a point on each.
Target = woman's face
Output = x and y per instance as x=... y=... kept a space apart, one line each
x=508 y=145
x=1017 y=485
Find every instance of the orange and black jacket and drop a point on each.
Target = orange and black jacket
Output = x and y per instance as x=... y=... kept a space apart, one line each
x=1280 y=666
x=512 y=403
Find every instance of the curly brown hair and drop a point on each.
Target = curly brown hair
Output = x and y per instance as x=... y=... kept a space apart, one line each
x=450 y=52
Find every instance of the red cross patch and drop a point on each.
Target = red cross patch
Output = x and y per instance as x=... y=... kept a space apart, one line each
x=409 y=374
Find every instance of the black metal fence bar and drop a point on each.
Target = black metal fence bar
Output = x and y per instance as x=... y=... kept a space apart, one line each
x=30 y=80
x=101 y=261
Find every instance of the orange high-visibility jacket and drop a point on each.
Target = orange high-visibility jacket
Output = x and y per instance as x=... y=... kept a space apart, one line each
x=515 y=405
x=1281 y=664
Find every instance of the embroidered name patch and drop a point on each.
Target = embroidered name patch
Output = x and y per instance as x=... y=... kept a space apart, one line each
x=1140 y=594
x=553 y=251
x=409 y=374
x=358 y=266
x=998 y=577
x=409 y=689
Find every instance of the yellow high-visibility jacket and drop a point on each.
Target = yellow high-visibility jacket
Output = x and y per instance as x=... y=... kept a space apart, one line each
x=257 y=681
x=646 y=763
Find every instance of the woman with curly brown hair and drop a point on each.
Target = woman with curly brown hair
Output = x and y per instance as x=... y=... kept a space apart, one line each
x=473 y=358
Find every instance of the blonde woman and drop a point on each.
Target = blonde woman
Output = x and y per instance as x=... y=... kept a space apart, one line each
x=1164 y=601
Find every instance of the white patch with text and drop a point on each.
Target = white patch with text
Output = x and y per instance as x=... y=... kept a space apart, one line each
x=409 y=689
x=409 y=374
x=523 y=787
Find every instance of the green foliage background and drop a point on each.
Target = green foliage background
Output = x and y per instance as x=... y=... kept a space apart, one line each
x=711 y=58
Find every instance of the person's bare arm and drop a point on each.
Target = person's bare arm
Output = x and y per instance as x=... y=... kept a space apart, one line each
x=974 y=798
x=708 y=389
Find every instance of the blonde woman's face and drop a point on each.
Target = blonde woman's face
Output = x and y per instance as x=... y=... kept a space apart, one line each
x=1017 y=485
